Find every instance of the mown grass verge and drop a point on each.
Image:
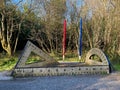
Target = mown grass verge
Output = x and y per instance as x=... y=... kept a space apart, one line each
x=8 y=63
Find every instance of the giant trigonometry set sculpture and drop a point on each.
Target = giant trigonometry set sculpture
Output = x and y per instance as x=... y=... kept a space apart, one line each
x=51 y=67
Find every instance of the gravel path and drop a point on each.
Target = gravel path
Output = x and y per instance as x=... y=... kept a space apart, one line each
x=81 y=82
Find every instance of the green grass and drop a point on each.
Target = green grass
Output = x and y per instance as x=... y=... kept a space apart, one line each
x=116 y=67
x=71 y=57
x=8 y=63
x=34 y=59
x=115 y=61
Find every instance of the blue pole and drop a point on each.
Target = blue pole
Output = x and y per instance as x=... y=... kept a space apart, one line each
x=80 y=39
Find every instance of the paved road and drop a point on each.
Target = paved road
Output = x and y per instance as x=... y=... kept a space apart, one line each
x=82 y=82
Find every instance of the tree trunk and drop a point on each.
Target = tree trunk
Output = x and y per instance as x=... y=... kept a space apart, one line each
x=119 y=45
x=16 y=41
x=5 y=36
x=88 y=36
x=7 y=47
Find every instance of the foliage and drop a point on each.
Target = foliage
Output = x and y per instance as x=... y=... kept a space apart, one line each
x=48 y=33
x=103 y=29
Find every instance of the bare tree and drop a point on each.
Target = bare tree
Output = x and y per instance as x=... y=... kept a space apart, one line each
x=52 y=14
x=10 y=27
x=104 y=22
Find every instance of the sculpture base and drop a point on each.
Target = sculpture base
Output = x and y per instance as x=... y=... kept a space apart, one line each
x=56 y=71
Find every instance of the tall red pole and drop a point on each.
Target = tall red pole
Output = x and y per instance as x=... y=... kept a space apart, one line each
x=64 y=39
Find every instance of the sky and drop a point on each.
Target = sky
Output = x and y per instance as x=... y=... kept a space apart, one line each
x=14 y=1
x=17 y=1
x=69 y=2
x=78 y=1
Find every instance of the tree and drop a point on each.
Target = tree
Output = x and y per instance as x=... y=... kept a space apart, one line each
x=73 y=27
x=104 y=23
x=10 y=27
x=49 y=36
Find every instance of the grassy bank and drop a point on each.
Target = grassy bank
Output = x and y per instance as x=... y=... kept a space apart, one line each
x=8 y=63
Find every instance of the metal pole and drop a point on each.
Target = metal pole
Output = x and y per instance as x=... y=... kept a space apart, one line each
x=80 y=39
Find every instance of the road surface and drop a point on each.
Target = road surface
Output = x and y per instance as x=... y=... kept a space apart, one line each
x=80 y=82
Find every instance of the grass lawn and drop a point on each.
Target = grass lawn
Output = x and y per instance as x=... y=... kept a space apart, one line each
x=8 y=63
x=116 y=67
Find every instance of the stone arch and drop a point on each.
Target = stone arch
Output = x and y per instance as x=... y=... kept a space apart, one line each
x=100 y=54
